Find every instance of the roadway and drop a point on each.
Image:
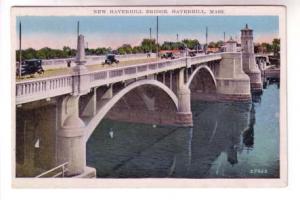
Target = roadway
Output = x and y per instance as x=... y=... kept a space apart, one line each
x=90 y=67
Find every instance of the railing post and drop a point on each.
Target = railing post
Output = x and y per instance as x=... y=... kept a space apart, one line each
x=81 y=79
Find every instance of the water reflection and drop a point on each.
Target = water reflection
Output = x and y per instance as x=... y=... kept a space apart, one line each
x=227 y=140
x=248 y=134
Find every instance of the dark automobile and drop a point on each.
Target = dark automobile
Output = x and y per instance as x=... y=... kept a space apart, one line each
x=192 y=54
x=31 y=66
x=110 y=59
x=168 y=55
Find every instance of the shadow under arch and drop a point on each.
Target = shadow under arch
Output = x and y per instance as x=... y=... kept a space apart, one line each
x=108 y=105
x=201 y=67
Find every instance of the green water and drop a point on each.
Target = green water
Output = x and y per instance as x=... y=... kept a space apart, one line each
x=228 y=140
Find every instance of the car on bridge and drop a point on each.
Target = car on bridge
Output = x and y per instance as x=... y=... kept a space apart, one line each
x=30 y=67
x=192 y=53
x=110 y=59
x=168 y=55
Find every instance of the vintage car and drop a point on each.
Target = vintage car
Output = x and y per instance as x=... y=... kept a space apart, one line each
x=192 y=53
x=168 y=55
x=110 y=59
x=30 y=67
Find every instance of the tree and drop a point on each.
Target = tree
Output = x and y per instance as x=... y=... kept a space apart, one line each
x=191 y=44
x=276 y=46
x=266 y=47
x=220 y=43
x=137 y=49
x=101 y=51
x=125 y=49
x=67 y=51
x=257 y=48
x=212 y=45
x=29 y=53
x=148 y=45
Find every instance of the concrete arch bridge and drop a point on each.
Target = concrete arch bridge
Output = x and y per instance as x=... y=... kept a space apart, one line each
x=66 y=109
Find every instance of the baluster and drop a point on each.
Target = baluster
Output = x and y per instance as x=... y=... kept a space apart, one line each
x=18 y=90
x=48 y=85
x=39 y=86
x=32 y=87
x=24 y=89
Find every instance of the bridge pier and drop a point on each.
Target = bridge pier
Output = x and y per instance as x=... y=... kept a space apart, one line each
x=184 y=115
x=249 y=64
x=89 y=103
x=71 y=144
x=232 y=83
x=70 y=138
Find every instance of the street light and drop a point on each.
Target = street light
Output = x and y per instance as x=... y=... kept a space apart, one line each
x=20 y=50
x=157 y=55
x=186 y=49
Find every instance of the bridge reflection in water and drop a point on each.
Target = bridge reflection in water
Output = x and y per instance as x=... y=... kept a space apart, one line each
x=225 y=141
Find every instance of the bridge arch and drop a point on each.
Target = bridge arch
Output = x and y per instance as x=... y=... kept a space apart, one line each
x=107 y=107
x=201 y=67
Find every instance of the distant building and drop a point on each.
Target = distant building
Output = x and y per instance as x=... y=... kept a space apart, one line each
x=231 y=45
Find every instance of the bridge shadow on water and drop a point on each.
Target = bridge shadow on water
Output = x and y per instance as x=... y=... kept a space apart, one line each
x=227 y=141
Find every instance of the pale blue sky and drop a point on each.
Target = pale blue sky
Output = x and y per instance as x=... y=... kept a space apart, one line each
x=112 y=31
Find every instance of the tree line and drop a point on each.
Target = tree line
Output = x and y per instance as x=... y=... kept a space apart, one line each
x=264 y=47
x=146 y=46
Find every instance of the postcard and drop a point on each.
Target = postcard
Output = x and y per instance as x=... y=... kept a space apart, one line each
x=149 y=96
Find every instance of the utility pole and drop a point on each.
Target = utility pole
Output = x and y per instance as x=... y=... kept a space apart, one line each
x=177 y=37
x=77 y=28
x=224 y=38
x=206 y=36
x=157 y=54
x=150 y=33
x=20 y=50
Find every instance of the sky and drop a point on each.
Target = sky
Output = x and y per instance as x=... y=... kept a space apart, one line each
x=113 y=31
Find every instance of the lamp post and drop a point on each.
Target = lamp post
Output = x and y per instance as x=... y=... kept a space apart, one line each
x=77 y=29
x=206 y=38
x=20 y=50
x=157 y=54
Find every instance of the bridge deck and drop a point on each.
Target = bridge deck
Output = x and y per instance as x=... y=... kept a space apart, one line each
x=56 y=85
x=91 y=67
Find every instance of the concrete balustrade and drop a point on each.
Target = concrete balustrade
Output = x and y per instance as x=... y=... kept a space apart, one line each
x=37 y=89
x=26 y=91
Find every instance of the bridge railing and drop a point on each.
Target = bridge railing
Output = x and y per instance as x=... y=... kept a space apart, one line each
x=205 y=58
x=46 y=87
x=36 y=89
x=58 y=171
x=106 y=76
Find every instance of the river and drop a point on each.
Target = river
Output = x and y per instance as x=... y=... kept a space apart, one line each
x=228 y=140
